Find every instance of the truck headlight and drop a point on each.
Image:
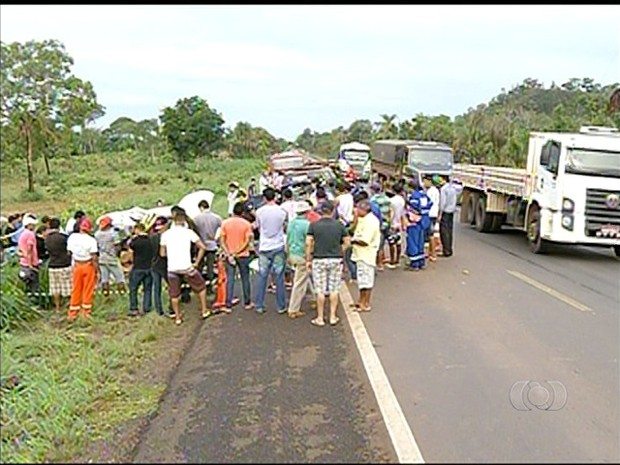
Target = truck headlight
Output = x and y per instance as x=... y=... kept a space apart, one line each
x=567 y=205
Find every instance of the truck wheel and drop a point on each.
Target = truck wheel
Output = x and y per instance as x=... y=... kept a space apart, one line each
x=537 y=244
x=483 y=220
x=617 y=251
x=498 y=221
x=472 y=202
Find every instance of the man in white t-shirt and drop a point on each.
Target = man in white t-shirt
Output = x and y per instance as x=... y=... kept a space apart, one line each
x=176 y=244
x=288 y=205
x=433 y=193
x=394 y=240
x=344 y=205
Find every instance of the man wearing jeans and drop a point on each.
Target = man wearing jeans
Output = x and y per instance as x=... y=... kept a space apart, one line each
x=270 y=219
x=140 y=274
x=29 y=258
x=236 y=235
x=207 y=223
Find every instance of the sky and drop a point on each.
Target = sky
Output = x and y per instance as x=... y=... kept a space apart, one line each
x=290 y=67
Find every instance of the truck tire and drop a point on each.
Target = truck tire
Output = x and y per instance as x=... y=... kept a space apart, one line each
x=483 y=220
x=536 y=242
x=472 y=201
x=498 y=221
x=617 y=250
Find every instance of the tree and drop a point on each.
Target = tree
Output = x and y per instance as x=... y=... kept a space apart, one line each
x=361 y=131
x=40 y=97
x=386 y=129
x=192 y=129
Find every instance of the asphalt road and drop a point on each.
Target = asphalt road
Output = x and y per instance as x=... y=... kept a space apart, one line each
x=454 y=338
x=266 y=389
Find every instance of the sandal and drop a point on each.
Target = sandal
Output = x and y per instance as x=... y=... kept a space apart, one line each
x=335 y=321
x=317 y=322
x=249 y=307
x=363 y=309
x=178 y=321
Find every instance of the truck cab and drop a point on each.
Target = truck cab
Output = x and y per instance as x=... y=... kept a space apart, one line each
x=574 y=187
x=354 y=157
x=397 y=159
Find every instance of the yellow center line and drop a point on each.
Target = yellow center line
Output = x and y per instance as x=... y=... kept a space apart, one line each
x=552 y=292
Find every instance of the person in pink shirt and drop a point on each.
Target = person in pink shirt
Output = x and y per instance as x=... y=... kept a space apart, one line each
x=29 y=258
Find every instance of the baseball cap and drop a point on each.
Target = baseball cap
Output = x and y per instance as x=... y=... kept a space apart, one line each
x=302 y=207
x=86 y=224
x=105 y=222
x=28 y=220
x=160 y=223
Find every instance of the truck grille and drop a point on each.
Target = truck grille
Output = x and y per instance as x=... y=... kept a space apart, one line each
x=600 y=211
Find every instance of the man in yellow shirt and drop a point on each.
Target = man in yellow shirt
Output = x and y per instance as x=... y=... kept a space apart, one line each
x=365 y=242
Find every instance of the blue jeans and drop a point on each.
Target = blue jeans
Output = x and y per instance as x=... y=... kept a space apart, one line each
x=272 y=260
x=351 y=265
x=137 y=277
x=157 y=278
x=244 y=270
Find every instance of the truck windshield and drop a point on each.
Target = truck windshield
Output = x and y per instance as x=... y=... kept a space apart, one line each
x=430 y=159
x=355 y=157
x=593 y=162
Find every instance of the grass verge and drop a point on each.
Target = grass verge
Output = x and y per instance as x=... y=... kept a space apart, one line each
x=65 y=386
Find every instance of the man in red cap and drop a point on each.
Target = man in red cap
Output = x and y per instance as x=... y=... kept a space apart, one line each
x=107 y=242
x=84 y=251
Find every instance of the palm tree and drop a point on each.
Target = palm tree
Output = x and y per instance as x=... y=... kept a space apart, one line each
x=386 y=128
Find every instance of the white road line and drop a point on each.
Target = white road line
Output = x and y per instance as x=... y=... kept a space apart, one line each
x=552 y=292
x=402 y=438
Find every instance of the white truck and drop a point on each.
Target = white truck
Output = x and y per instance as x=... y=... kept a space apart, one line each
x=354 y=156
x=569 y=192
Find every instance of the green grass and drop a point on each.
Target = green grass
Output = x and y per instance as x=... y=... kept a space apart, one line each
x=64 y=385
x=106 y=182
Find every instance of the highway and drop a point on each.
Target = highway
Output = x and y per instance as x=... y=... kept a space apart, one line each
x=456 y=345
x=453 y=339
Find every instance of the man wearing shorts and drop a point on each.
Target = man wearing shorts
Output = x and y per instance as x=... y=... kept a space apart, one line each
x=109 y=263
x=59 y=267
x=176 y=244
x=326 y=241
x=365 y=242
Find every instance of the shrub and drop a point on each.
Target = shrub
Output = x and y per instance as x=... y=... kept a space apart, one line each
x=15 y=307
x=142 y=180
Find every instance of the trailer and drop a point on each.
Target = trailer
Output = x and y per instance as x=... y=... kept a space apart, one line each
x=569 y=192
x=393 y=160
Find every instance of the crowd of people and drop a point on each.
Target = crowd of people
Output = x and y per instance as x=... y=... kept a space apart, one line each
x=300 y=242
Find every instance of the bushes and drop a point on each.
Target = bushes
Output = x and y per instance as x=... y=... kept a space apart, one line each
x=15 y=307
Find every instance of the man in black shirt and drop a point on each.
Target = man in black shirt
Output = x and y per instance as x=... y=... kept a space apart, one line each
x=159 y=265
x=326 y=241
x=140 y=273
x=59 y=266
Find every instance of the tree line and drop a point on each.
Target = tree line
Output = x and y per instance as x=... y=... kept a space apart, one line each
x=48 y=112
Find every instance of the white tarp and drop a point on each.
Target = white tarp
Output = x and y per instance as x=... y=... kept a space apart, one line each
x=127 y=218
x=191 y=200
